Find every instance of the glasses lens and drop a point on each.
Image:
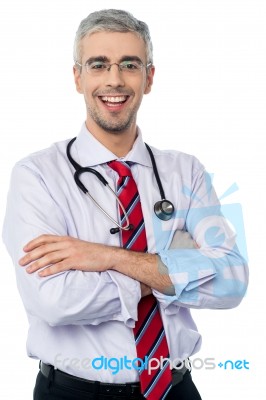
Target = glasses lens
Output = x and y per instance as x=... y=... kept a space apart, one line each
x=131 y=66
x=96 y=67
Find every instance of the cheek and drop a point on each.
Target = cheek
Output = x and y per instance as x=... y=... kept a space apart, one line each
x=139 y=89
x=88 y=86
x=88 y=90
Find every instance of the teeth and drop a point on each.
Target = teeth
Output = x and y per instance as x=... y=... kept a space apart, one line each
x=114 y=99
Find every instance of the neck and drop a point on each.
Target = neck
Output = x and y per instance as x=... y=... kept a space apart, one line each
x=118 y=142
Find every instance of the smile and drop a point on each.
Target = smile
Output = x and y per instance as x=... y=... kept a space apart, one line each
x=114 y=102
x=120 y=99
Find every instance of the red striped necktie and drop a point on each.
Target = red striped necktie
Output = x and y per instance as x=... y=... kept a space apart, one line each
x=149 y=331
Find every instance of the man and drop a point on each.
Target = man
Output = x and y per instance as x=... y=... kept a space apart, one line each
x=106 y=296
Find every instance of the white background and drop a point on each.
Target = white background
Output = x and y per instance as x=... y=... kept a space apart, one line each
x=208 y=99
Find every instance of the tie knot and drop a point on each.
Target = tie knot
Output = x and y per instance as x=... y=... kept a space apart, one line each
x=121 y=167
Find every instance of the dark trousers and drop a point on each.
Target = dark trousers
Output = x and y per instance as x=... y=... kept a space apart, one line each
x=46 y=389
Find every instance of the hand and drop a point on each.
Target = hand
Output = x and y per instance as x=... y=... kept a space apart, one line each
x=62 y=253
x=145 y=290
x=183 y=240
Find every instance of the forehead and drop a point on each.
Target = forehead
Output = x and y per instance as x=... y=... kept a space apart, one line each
x=113 y=45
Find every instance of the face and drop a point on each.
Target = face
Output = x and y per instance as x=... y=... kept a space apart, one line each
x=113 y=97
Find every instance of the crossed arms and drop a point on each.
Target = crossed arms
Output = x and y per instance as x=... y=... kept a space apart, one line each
x=52 y=254
x=74 y=281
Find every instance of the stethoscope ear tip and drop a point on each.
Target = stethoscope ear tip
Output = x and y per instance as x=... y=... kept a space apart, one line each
x=130 y=227
x=114 y=230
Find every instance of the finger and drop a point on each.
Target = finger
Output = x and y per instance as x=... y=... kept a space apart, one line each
x=51 y=259
x=55 y=269
x=39 y=252
x=41 y=240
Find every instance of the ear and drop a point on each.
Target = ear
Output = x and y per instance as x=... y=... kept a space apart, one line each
x=149 y=79
x=77 y=78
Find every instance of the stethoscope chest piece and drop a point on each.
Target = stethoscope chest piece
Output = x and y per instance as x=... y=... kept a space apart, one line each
x=164 y=209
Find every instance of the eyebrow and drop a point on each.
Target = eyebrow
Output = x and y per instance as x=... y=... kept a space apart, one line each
x=105 y=59
x=97 y=58
x=131 y=58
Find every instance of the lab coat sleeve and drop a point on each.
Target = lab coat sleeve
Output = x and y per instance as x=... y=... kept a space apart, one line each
x=214 y=275
x=71 y=297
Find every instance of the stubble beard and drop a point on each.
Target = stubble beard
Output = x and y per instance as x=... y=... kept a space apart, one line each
x=114 y=124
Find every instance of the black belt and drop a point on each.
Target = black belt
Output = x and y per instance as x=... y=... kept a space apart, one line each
x=61 y=378
x=119 y=389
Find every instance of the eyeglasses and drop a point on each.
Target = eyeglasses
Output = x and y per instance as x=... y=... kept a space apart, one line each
x=127 y=67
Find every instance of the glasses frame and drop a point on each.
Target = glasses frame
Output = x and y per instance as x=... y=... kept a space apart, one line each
x=109 y=65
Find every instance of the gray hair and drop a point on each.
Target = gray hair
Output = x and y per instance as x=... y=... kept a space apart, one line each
x=112 y=21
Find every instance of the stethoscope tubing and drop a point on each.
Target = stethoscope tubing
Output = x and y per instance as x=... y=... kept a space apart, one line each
x=79 y=171
x=128 y=225
x=163 y=209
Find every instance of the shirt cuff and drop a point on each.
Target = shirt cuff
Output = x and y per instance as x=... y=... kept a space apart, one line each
x=187 y=269
x=167 y=303
x=129 y=294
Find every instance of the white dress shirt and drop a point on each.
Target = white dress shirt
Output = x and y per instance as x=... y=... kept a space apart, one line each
x=76 y=317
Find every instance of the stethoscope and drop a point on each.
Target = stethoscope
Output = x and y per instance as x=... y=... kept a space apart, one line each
x=163 y=208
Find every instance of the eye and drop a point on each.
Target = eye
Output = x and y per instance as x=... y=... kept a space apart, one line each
x=97 y=65
x=130 y=65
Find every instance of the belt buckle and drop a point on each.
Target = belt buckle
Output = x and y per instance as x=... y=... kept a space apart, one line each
x=113 y=389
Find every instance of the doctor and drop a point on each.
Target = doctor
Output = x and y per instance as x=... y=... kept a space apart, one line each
x=94 y=298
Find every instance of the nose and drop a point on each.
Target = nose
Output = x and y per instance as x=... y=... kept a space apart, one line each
x=114 y=76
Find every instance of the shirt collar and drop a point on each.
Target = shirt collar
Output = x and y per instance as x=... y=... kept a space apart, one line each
x=91 y=152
